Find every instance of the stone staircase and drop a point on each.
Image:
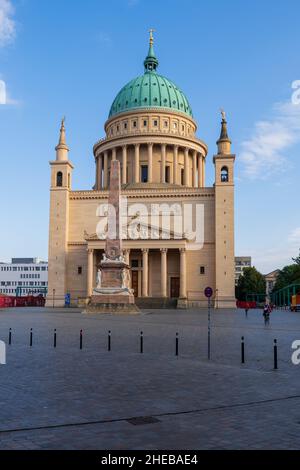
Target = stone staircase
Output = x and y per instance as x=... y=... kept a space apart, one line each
x=155 y=302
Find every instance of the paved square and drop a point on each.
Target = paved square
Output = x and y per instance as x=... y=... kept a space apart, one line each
x=67 y=398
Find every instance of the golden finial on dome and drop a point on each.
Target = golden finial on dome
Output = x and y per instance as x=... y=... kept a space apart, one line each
x=151 y=31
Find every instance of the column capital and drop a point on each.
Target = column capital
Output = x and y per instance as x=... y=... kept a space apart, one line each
x=182 y=250
x=145 y=250
x=186 y=150
x=137 y=145
x=163 y=250
x=124 y=146
x=164 y=146
x=90 y=250
x=150 y=144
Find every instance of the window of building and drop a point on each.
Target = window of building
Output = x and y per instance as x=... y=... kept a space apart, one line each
x=167 y=174
x=144 y=175
x=79 y=270
x=174 y=125
x=134 y=263
x=59 y=179
x=202 y=270
x=155 y=123
x=224 y=174
x=166 y=123
x=125 y=125
x=134 y=123
x=145 y=123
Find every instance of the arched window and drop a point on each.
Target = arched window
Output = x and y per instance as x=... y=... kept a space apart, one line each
x=224 y=174
x=59 y=179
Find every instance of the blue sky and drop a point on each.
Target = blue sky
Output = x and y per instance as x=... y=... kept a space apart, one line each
x=71 y=57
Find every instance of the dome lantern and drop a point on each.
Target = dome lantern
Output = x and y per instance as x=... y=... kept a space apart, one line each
x=151 y=62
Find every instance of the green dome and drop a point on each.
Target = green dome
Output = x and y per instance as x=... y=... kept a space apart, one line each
x=150 y=90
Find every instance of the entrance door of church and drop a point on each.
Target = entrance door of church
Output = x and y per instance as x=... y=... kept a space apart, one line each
x=135 y=282
x=175 y=287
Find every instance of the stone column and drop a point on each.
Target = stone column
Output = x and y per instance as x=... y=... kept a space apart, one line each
x=186 y=167
x=182 y=273
x=203 y=172
x=137 y=163
x=105 y=170
x=175 y=165
x=150 y=162
x=145 y=272
x=195 y=168
x=163 y=164
x=126 y=254
x=124 y=165
x=100 y=169
x=97 y=173
x=164 y=276
x=199 y=170
x=90 y=272
x=114 y=154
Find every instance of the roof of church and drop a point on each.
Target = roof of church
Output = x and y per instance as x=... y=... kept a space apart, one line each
x=150 y=90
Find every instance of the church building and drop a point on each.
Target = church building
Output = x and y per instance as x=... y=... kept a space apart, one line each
x=178 y=233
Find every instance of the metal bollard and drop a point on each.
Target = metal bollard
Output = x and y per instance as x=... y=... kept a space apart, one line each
x=54 y=340
x=109 y=341
x=9 y=337
x=80 y=339
x=31 y=337
x=176 y=345
x=275 y=355
x=243 y=350
x=142 y=343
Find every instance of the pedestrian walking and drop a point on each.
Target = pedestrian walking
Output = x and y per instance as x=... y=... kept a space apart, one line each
x=266 y=314
x=246 y=310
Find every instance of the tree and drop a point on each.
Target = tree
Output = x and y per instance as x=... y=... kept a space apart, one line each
x=297 y=260
x=250 y=282
x=288 y=275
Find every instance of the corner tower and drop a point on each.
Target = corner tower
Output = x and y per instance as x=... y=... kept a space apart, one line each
x=61 y=175
x=224 y=220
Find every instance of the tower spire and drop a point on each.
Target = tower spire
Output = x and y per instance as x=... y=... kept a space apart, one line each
x=62 y=149
x=151 y=62
x=224 y=143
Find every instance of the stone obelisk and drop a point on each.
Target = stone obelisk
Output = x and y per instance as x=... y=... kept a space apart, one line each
x=112 y=293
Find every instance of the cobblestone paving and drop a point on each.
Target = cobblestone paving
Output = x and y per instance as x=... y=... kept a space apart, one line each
x=67 y=398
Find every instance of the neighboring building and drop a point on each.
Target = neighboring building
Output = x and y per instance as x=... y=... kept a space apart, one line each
x=241 y=262
x=152 y=132
x=24 y=276
x=271 y=280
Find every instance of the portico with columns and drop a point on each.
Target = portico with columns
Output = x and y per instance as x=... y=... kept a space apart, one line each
x=155 y=271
